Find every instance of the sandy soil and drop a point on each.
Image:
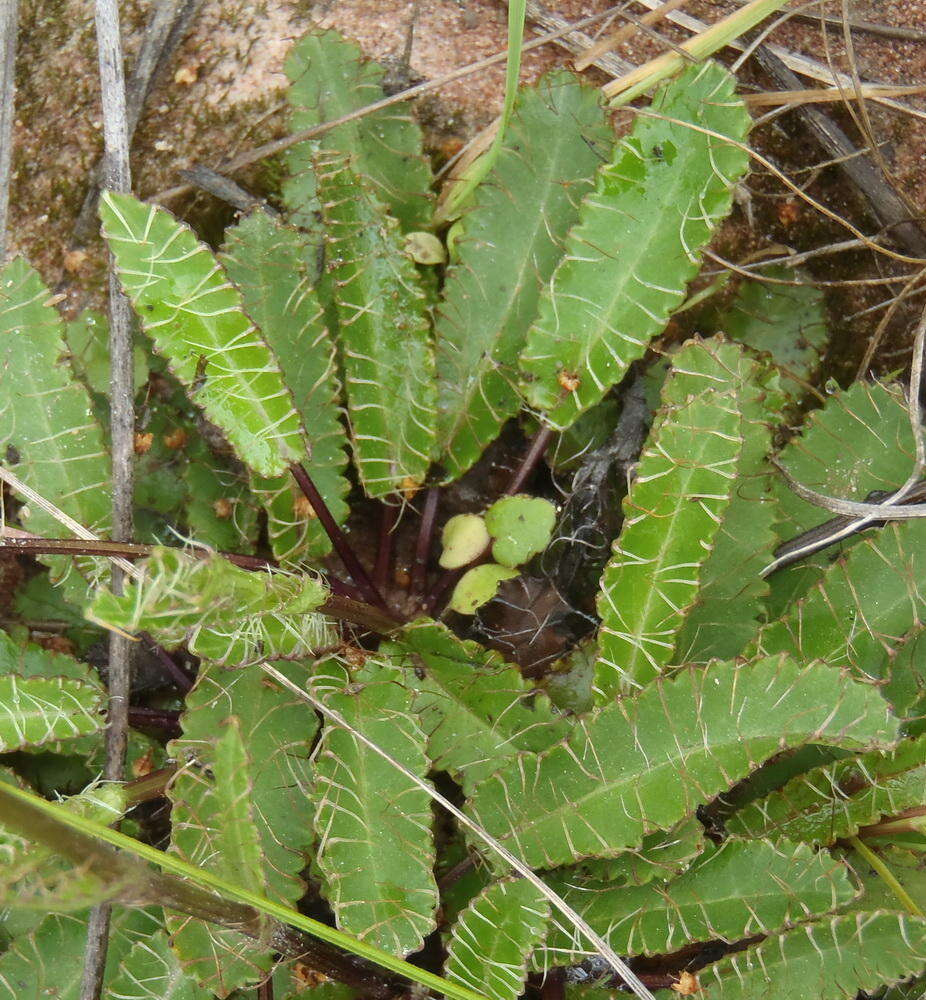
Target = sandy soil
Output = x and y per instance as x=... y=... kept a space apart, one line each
x=225 y=93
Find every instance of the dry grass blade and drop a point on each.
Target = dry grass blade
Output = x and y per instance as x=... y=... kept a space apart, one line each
x=15 y=483
x=827 y=95
x=9 y=16
x=615 y=38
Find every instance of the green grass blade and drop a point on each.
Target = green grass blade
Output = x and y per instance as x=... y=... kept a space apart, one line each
x=9 y=796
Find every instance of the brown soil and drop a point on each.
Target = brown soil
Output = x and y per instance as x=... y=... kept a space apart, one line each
x=225 y=93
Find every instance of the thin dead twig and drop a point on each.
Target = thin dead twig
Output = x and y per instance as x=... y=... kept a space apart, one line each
x=9 y=19
x=869 y=27
x=115 y=175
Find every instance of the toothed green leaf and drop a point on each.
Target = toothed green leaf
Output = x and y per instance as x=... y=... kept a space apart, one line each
x=384 y=338
x=279 y=729
x=39 y=710
x=33 y=877
x=196 y=320
x=646 y=762
x=220 y=510
x=905 y=687
x=731 y=590
x=659 y=858
x=212 y=827
x=49 y=960
x=510 y=242
x=730 y=892
x=859 y=441
x=863 y=605
x=476 y=710
x=685 y=481
x=267 y=263
x=830 y=803
x=787 y=321
x=331 y=79
x=29 y=660
x=151 y=971
x=87 y=339
x=49 y=436
x=492 y=939
x=831 y=960
x=376 y=848
x=224 y=613
x=636 y=245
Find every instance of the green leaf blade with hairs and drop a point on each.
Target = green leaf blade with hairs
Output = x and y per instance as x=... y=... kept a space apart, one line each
x=330 y=79
x=862 y=606
x=224 y=613
x=384 y=339
x=729 y=893
x=684 y=484
x=151 y=971
x=196 y=320
x=476 y=710
x=33 y=877
x=268 y=264
x=731 y=591
x=636 y=244
x=646 y=762
x=860 y=440
x=35 y=711
x=788 y=321
x=510 y=243
x=212 y=826
x=280 y=729
x=832 y=802
x=492 y=939
x=49 y=960
x=831 y=960
x=49 y=436
x=376 y=847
